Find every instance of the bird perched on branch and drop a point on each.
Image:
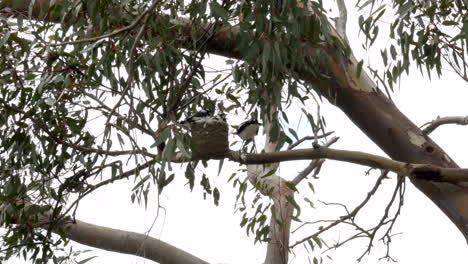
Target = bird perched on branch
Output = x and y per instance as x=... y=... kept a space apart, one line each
x=248 y=130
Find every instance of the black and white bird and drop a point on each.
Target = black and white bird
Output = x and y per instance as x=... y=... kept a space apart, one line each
x=198 y=116
x=220 y=117
x=248 y=130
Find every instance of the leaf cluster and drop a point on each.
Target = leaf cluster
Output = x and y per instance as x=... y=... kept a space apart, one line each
x=431 y=34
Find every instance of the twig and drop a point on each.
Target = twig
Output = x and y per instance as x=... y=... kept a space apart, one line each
x=315 y=164
x=295 y=144
x=382 y=221
x=348 y=216
x=130 y=69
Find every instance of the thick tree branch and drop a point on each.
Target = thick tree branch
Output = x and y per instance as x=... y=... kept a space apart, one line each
x=129 y=243
x=275 y=187
x=419 y=171
x=116 y=240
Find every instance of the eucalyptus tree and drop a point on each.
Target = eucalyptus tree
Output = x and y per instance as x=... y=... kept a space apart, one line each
x=93 y=92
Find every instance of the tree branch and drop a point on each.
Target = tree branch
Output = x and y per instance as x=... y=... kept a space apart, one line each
x=295 y=144
x=313 y=165
x=129 y=243
x=418 y=171
x=439 y=121
x=110 y=239
x=114 y=33
x=342 y=20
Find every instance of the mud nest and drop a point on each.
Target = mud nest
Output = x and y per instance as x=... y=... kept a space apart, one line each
x=209 y=139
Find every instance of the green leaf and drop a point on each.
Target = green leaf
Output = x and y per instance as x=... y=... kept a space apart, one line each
x=318 y=241
x=293 y=202
x=163 y=136
x=86 y=260
x=311 y=204
x=359 y=68
x=450 y=23
x=218 y=11
x=291 y=186
x=221 y=162
x=141 y=182
x=393 y=52
x=269 y=173
x=384 y=55
x=190 y=175
x=234 y=99
x=169 y=150
x=216 y=196
x=5 y=38
x=169 y=179
x=244 y=220
x=181 y=146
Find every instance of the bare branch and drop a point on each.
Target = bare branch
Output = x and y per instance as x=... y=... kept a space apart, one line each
x=418 y=171
x=110 y=239
x=342 y=19
x=295 y=144
x=312 y=165
x=384 y=219
x=439 y=121
x=349 y=216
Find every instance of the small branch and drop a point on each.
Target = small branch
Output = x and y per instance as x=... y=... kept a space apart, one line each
x=312 y=165
x=295 y=144
x=384 y=219
x=128 y=120
x=130 y=68
x=349 y=216
x=439 y=121
x=116 y=32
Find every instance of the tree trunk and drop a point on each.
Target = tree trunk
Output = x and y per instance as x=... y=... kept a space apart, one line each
x=395 y=134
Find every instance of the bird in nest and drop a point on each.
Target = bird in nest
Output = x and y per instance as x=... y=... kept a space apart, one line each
x=204 y=115
x=201 y=115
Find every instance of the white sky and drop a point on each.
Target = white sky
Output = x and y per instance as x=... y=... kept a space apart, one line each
x=213 y=233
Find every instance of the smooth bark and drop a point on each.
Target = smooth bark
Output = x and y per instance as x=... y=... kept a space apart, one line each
x=129 y=243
